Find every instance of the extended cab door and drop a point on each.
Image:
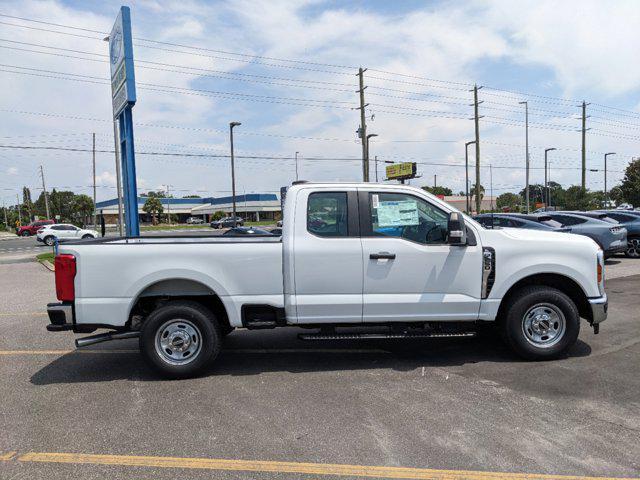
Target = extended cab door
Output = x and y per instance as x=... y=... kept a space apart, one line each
x=411 y=273
x=327 y=257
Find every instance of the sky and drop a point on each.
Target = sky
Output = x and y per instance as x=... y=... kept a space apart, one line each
x=287 y=71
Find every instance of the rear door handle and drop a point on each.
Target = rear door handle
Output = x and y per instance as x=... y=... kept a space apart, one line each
x=382 y=256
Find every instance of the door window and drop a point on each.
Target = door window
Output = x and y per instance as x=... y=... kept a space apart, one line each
x=568 y=220
x=405 y=216
x=327 y=214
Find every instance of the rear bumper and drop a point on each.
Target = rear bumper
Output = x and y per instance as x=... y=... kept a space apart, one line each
x=60 y=316
x=599 y=309
x=617 y=246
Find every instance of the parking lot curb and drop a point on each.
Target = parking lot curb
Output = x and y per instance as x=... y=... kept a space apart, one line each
x=47 y=264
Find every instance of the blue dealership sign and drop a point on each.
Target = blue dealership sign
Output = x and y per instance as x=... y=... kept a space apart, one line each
x=123 y=86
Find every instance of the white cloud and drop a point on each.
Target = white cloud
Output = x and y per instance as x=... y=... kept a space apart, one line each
x=12 y=171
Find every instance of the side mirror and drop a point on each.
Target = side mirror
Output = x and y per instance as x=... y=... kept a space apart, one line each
x=456 y=229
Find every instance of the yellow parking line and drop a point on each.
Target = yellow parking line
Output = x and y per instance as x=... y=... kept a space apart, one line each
x=7 y=456
x=287 y=467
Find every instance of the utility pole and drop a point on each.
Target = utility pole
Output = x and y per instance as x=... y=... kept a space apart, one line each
x=605 y=177
x=526 y=140
x=363 y=126
x=44 y=192
x=584 y=145
x=375 y=160
x=491 y=185
x=19 y=211
x=548 y=189
x=168 y=205
x=368 y=139
x=233 y=171
x=466 y=174
x=297 y=166
x=6 y=222
x=435 y=180
x=546 y=177
x=95 y=212
x=477 y=118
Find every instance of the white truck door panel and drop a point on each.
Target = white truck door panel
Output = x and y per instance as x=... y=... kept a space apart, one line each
x=327 y=256
x=414 y=274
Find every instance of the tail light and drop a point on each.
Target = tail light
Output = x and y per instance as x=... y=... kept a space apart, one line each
x=65 y=268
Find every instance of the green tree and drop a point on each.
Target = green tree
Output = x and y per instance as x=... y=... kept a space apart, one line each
x=536 y=194
x=509 y=200
x=575 y=198
x=630 y=185
x=218 y=215
x=439 y=190
x=616 y=195
x=82 y=208
x=472 y=193
x=153 y=206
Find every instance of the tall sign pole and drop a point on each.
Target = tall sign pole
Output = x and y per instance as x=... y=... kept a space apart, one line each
x=123 y=91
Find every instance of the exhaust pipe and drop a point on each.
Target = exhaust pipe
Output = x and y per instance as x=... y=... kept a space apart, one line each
x=105 y=337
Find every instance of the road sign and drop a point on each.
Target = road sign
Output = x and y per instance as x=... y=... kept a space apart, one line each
x=123 y=87
x=401 y=170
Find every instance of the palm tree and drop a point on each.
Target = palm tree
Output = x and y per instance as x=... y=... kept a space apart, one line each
x=153 y=206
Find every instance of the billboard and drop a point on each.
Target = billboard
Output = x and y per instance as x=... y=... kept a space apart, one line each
x=401 y=170
x=123 y=87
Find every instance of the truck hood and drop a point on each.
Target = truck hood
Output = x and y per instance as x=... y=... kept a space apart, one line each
x=546 y=237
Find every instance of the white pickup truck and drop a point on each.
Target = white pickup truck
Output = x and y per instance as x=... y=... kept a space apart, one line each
x=392 y=259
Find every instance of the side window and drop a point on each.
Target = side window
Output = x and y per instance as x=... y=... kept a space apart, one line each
x=57 y=227
x=566 y=220
x=327 y=214
x=408 y=217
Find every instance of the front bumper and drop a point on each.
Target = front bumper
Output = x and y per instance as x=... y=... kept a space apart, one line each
x=599 y=309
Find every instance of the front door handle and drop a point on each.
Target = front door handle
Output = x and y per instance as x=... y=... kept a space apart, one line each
x=382 y=256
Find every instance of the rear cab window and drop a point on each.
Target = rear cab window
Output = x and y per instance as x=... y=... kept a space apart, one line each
x=327 y=214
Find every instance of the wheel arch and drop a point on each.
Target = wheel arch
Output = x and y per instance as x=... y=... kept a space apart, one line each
x=564 y=283
x=170 y=289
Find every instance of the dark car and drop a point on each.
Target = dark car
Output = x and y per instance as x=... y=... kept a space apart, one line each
x=276 y=231
x=630 y=220
x=534 y=221
x=32 y=228
x=239 y=231
x=612 y=238
x=228 y=222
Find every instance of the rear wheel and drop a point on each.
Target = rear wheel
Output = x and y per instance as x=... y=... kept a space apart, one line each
x=84 y=237
x=540 y=323
x=26 y=233
x=180 y=338
x=50 y=240
x=633 y=247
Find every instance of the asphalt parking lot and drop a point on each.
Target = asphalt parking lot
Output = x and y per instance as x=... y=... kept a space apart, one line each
x=275 y=407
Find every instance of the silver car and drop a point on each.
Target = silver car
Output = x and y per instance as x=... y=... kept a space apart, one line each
x=610 y=237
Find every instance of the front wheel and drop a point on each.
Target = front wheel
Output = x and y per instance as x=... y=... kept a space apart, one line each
x=49 y=241
x=540 y=323
x=180 y=338
x=87 y=236
x=633 y=248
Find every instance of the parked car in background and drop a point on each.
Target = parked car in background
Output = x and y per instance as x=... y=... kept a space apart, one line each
x=624 y=206
x=32 y=228
x=234 y=232
x=276 y=231
x=195 y=221
x=228 y=222
x=63 y=232
x=534 y=221
x=611 y=238
x=630 y=220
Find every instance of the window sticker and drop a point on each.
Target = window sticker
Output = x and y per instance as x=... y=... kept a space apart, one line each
x=374 y=200
x=397 y=214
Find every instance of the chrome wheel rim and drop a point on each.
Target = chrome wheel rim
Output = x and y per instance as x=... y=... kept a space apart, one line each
x=543 y=325
x=178 y=342
x=49 y=241
x=633 y=247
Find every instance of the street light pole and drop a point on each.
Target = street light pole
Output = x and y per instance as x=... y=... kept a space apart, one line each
x=297 y=166
x=526 y=136
x=369 y=137
x=546 y=178
x=233 y=171
x=605 y=177
x=466 y=173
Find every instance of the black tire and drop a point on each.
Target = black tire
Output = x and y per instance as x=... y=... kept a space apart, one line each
x=226 y=330
x=174 y=314
x=50 y=240
x=633 y=248
x=84 y=237
x=521 y=308
x=26 y=233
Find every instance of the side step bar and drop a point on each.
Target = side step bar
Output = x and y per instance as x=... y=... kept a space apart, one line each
x=105 y=337
x=375 y=336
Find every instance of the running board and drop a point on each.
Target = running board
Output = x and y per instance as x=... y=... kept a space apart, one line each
x=376 y=336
